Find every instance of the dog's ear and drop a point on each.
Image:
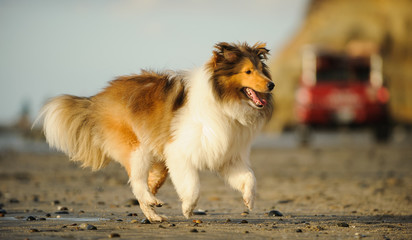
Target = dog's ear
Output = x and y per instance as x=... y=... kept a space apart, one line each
x=226 y=51
x=261 y=50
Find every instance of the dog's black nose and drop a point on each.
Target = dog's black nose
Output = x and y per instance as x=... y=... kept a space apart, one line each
x=270 y=86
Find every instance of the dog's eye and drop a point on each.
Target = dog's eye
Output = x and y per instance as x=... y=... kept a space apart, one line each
x=248 y=72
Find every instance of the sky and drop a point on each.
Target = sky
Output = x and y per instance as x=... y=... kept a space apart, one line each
x=54 y=47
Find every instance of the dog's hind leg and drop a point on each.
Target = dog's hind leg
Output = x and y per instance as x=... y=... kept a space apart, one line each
x=157 y=176
x=140 y=163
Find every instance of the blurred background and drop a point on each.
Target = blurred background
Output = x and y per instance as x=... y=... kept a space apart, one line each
x=379 y=30
x=337 y=64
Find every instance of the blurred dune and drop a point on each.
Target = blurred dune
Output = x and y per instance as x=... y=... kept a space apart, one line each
x=382 y=26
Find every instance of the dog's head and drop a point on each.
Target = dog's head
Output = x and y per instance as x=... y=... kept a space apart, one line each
x=239 y=73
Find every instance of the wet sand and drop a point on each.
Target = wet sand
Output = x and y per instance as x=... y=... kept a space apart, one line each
x=323 y=193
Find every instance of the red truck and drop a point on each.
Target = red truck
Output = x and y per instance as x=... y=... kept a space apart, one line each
x=337 y=89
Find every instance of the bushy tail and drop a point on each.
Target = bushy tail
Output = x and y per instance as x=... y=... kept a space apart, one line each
x=69 y=125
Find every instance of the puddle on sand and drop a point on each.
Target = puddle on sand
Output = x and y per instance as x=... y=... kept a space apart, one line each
x=72 y=219
x=79 y=219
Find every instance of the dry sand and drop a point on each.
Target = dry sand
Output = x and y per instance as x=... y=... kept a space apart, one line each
x=331 y=193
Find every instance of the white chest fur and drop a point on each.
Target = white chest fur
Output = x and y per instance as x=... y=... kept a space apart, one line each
x=208 y=134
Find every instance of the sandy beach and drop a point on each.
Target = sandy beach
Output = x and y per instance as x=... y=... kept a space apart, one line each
x=336 y=192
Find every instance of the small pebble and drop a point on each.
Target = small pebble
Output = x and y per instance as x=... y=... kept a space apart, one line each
x=342 y=224
x=194 y=230
x=30 y=218
x=197 y=221
x=214 y=198
x=81 y=211
x=114 y=235
x=319 y=228
x=172 y=225
x=358 y=235
x=228 y=220
x=48 y=215
x=61 y=212
x=132 y=202
x=299 y=230
x=132 y=214
x=199 y=212
x=86 y=226
x=246 y=232
x=14 y=200
x=119 y=220
x=274 y=213
x=55 y=202
x=243 y=221
x=134 y=221
x=245 y=213
x=61 y=208
x=3 y=211
x=35 y=198
x=32 y=230
x=285 y=201
x=145 y=221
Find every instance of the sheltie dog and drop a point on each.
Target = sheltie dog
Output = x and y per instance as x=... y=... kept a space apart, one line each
x=177 y=123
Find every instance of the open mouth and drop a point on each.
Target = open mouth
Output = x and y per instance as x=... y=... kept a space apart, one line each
x=255 y=100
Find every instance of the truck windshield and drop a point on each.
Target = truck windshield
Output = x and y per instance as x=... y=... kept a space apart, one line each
x=342 y=68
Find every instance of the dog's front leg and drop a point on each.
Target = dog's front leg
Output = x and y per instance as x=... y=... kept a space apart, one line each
x=241 y=177
x=185 y=178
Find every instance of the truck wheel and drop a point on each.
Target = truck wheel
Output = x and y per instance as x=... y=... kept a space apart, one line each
x=382 y=132
x=303 y=133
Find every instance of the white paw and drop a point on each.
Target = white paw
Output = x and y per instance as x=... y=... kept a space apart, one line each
x=150 y=213
x=156 y=218
x=187 y=210
x=249 y=201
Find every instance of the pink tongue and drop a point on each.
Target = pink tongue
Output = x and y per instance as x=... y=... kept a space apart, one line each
x=256 y=99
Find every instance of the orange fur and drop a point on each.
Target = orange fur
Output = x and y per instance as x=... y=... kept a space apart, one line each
x=255 y=80
x=157 y=176
x=105 y=125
